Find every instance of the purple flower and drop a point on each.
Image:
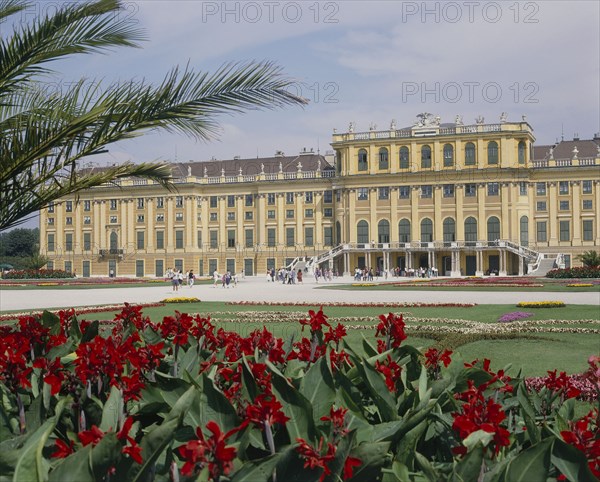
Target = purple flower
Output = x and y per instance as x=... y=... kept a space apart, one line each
x=514 y=316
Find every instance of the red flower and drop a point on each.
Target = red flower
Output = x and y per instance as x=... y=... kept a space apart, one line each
x=584 y=436
x=433 y=357
x=348 y=466
x=335 y=334
x=92 y=436
x=392 y=327
x=62 y=449
x=391 y=371
x=266 y=409
x=316 y=321
x=313 y=458
x=337 y=419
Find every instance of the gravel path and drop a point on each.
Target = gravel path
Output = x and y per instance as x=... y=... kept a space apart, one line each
x=257 y=289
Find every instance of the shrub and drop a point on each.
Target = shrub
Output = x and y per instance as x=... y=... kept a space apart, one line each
x=36 y=274
x=580 y=272
x=541 y=304
x=181 y=299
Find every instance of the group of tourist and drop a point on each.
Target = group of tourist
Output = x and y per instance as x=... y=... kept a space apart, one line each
x=225 y=280
x=177 y=278
x=285 y=276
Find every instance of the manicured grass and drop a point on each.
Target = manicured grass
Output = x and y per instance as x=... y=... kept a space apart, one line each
x=549 y=287
x=563 y=351
x=90 y=285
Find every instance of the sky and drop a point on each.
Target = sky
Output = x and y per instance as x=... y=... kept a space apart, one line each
x=363 y=61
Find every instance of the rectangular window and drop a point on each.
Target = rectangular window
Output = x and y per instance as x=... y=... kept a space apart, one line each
x=113 y=219
x=362 y=194
x=199 y=239
x=213 y=201
x=588 y=230
x=404 y=192
x=338 y=195
x=271 y=237
x=140 y=235
x=249 y=238
x=564 y=231
x=179 y=217
x=113 y=204
x=159 y=268
x=160 y=202
x=249 y=215
x=140 y=203
x=213 y=216
x=540 y=206
x=308 y=197
x=309 y=237
x=289 y=213
x=50 y=207
x=290 y=237
x=68 y=266
x=160 y=240
x=270 y=263
x=249 y=200
x=448 y=190
x=139 y=268
x=87 y=220
x=328 y=236
x=51 y=221
x=179 y=239
x=160 y=218
x=540 y=188
x=493 y=188
x=470 y=190
x=231 y=216
x=563 y=205
x=179 y=202
x=69 y=206
x=50 y=265
x=289 y=198
x=69 y=220
x=87 y=205
x=308 y=213
x=230 y=201
x=140 y=218
x=328 y=212
x=271 y=214
x=87 y=241
x=212 y=266
x=563 y=187
x=541 y=232
x=69 y=242
x=231 y=238
x=328 y=197
x=214 y=243
x=178 y=264
x=426 y=191
x=50 y=242
x=384 y=193
x=586 y=187
x=523 y=188
x=271 y=198
x=587 y=204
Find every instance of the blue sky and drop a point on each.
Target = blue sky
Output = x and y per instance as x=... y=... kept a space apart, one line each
x=369 y=62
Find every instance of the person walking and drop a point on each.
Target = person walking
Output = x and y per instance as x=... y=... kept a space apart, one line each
x=216 y=278
x=191 y=278
x=175 y=280
x=299 y=277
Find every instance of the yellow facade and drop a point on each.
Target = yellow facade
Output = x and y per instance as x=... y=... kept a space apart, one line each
x=464 y=199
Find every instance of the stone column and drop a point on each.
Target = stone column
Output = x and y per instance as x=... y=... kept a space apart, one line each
x=479 y=267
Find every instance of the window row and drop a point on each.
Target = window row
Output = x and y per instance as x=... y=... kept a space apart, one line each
x=564 y=187
x=448 y=155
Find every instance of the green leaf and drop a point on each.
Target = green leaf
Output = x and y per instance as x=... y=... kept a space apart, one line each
x=427 y=468
x=153 y=444
x=256 y=470
x=74 y=467
x=111 y=411
x=90 y=333
x=531 y=465
x=373 y=456
x=290 y=468
x=400 y=471
x=318 y=388
x=478 y=437
x=384 y=400
x=408 y=444
x=469 y=467
x=212 y=405
x=571 y=462
x=104 y=455
x=336 y=466
x=528 y=412
x=32 y=466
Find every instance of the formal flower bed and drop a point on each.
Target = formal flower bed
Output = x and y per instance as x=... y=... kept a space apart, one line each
x=579 y=385
x=580 y=272
x=182 y=400
x=181 y=299
x=349 y=304
x=36 y=274
x=541 y=304
x=514 y=316
x=78 y=311
x=580 y=285
x=82 y=281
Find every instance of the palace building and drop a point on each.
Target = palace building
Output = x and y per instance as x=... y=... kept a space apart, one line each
x=464 y=199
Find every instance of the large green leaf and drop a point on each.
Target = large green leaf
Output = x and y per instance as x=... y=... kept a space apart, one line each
x=469 y=468
x=153 y=444
x=336 y=466
x=408 y=444
x=32 y=466
x=375 y=383
x=104 y=455
x=531 y=465
x=290 y=468
x=211 y=405
x=528 y=413
x=256 y=470
x=74 y=467
x=318 y=388
x=112 y=410
x=372 y=456
x=571 y=462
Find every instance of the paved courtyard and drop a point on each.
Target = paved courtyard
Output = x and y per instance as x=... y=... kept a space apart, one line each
x=258 y=289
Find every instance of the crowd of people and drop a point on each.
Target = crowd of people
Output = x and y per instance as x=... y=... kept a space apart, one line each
x=177 y=278
x=369 y=274
x=291 y=276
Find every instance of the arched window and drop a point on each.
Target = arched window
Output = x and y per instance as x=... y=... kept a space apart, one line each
x=114 y=240
x=362 y=232
x=470 y=231
x=522 y=152
x=404 y=158
x=384 y=161
x=493 y=228
x=470 y=157
x=404 y=231
x=524 y=231
x=363 y=163
x=448 y=155
x=492 y=152
x=383 y=231
x=426 y=230
x=449 y=227
x=338 y=232
x=425 y=157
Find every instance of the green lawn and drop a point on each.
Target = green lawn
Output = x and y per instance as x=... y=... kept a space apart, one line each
x=550 y=287
x=88 y=286
x=533 y=353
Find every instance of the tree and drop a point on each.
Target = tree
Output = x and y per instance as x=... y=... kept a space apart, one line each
x=20 y=242
x=589 y=258
x=44 y=134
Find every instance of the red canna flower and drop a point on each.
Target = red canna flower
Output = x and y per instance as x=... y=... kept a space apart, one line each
x=62 y=449
x=266 y=409
x=391 y=371
x=133 y=449
x=433 y=357
x=336 y=334
x=316 y=321
x=92 y=436
x=313 y=458
x=392 y=327
x=348 y=466
x=337 y=418
x=584 y=436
